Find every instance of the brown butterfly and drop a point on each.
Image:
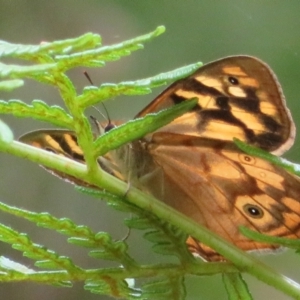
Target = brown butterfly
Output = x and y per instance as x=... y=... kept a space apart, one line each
x=192 y=163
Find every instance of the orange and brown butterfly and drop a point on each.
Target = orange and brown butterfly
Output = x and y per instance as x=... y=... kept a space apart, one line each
x=193 y=165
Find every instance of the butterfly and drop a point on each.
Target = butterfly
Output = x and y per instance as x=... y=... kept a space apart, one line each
x=192 y=163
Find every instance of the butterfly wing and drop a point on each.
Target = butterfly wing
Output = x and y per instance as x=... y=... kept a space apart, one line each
x=238 y=97
x=59 y=142
x=221 y=188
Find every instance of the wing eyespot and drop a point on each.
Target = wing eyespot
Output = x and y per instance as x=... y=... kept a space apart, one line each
x=233 y=80
x=246 y=159
x=253 y=211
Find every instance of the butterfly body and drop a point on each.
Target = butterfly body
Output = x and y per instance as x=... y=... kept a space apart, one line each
x=193 y=165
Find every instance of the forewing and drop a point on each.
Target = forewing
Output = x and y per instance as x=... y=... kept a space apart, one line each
x=237 y=97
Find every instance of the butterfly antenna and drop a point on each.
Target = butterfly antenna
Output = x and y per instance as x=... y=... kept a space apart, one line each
x=86 y=74
x=109 y=125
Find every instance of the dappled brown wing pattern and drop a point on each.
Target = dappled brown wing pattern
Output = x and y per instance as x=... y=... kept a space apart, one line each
x=63 y=143
x=239 y=97
x=192 y=163
x=60 y=142
x=221 y=188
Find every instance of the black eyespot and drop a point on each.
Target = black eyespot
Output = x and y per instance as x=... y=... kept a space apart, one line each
x=233 y=80
x=253 y=211
x=246 y=159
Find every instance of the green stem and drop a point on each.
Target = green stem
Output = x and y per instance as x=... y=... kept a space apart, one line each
x=243 y=261
x=144 y=271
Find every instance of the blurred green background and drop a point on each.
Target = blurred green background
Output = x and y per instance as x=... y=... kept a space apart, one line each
x=196 y=31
